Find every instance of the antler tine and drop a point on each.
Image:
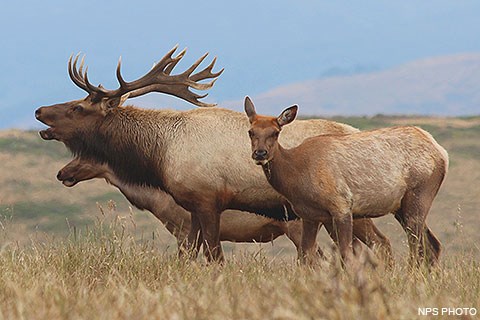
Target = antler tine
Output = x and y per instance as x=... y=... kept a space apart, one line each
x=93 y=88
x=149 y=77
x=80 y=74
x=168 y=69
x=85 y=78
x=167 y=59
x=180 y=55
x=194 y=66
x=193 y=97
x=73 y=72
x=165 y=63
x=120 y=79
x=203 y=86
x=80 y=78
x=207 y=72
x=203 y=104
x=70 y=71
x=204 y=74
x=82 y=63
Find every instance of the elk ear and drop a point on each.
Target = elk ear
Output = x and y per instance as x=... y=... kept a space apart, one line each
x=250 y=109
x=117 y=102
x=287 y=116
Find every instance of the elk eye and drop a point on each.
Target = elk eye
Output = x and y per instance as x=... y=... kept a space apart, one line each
x=276 y=134
x=250 y=133
x=78 y=108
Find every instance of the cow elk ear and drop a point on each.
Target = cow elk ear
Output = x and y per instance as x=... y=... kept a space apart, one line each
x=250 y=109
x=288 y=115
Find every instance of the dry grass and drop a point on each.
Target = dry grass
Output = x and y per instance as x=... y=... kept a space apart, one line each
x=105 y=273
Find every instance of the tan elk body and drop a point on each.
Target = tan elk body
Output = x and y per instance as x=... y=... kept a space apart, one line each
x=235 y=226
x=335 y=178
x=199 y=157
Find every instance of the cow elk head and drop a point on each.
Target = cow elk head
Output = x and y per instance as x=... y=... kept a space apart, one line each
x=79 y=170
x=264 y=131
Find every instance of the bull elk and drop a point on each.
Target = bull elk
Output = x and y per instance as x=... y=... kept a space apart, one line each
x=235 y=226
x=198 y=156
x=335 y=178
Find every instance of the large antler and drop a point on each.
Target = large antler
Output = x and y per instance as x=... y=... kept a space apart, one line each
x=158 y=79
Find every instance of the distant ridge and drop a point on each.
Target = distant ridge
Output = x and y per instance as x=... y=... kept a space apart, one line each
x=445 y=85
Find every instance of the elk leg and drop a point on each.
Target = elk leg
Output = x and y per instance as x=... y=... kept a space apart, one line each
x=343 y=229
x=433 y=246
x=410 y=224
x=189 y=247
x=293 y=230
x=210 y=226
x=365 y=230
x=330 y=230
x=412 y=214
x=308 y=252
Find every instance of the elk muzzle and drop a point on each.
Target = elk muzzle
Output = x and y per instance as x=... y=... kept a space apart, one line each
x=66 y=178
x=38 y=113
x=45 y=117
x=41 y=115
x=260 y=156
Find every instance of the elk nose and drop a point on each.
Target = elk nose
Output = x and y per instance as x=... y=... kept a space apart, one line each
x=38 y=112
x=59 y=175
x=260 y=154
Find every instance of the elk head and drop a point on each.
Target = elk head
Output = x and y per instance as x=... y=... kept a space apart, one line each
x=264 y=131
x=65 y=119
x=79 y=170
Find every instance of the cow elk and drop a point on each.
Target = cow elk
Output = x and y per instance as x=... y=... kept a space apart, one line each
x=236 y=226
x=199 y=157
x=335 y=178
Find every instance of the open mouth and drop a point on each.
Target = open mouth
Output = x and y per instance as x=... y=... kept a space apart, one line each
x=69 y=182
x=47 y=134
x=261 y=162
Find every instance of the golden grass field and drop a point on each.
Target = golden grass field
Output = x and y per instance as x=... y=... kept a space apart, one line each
x=83 y=253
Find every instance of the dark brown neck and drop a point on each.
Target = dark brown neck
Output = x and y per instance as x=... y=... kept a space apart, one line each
x=115 y=141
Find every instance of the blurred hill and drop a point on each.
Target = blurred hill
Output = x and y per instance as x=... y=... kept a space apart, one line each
x=34 y=204
x=446 y=86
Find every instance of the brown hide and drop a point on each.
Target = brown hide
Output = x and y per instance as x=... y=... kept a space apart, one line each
x=335 y=178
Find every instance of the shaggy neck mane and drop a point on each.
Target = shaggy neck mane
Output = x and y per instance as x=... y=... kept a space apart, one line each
x=131 y=141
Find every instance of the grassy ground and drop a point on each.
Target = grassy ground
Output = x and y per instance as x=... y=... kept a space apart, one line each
x=106 y=272
x=62 y=255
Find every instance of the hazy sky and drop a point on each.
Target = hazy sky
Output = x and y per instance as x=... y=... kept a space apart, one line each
x=261 y=44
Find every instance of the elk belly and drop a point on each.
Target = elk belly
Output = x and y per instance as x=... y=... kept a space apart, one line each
x=377 y=203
